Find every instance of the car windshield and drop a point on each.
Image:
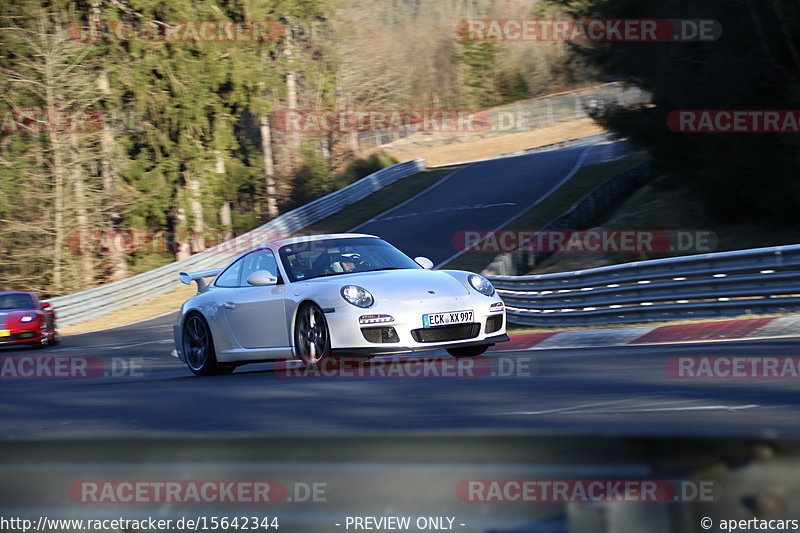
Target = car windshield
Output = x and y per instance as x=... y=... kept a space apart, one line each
x=16 y=301
x=333 y=257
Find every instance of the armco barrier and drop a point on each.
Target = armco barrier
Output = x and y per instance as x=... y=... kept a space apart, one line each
x=722 y=284
x=518 y=117
x=585 y=211
x=92 y=303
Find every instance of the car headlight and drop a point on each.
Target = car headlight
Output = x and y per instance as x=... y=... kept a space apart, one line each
x=358 y=296
x=27 y=318
x=481 y=284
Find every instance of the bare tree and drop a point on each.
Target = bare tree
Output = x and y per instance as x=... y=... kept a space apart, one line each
x=57 y=76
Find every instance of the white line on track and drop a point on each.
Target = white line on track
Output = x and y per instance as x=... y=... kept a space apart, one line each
x=692 y=408
x=559 y=410
x=643 y=408
x=115 y=346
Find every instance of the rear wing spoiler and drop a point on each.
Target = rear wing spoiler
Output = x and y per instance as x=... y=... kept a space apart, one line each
x=200 y=277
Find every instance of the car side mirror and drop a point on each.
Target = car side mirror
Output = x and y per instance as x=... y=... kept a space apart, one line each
x=424 y=262
x=46 y=306
x=261 y=278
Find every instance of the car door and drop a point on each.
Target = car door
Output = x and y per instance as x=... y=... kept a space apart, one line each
x=255 y=314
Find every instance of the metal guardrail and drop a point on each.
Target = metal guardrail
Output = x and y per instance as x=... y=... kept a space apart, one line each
x=98 y=301
x=521 y=116
x=722 y=284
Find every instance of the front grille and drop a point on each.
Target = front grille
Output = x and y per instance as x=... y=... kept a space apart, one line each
x=494 y=323
x=446 y=333
x=25 y=335
x=380 y=335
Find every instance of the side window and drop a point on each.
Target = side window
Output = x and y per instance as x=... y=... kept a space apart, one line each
x=230 y=278
x=261 y=260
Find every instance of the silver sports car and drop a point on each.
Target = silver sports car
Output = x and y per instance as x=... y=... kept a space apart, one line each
x=310 y=298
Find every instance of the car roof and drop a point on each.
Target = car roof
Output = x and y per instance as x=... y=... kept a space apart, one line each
x=294 y=240
x=31 y=293
x=311 y=238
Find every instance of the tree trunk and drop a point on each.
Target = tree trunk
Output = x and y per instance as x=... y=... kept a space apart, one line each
x=58 y=215
x=196 y=206
x=58 y=182
x=181 y=230
x=269 y=167
x=225 y=220
x=86 y=272
x=108 y=175
x=291 y=97
x=225 y=208
x=108 y=172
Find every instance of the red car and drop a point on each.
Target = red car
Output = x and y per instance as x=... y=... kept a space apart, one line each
x=24 y=320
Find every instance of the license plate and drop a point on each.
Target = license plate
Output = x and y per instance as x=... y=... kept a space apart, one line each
x=4 y=333
x=446 y=319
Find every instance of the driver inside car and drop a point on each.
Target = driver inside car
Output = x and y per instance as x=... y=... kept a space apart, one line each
x=343 y=263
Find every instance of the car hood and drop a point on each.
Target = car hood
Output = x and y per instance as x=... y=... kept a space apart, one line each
x=411 y=286
x=10 y=314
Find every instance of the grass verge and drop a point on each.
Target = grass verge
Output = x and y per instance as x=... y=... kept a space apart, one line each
x=377 y=202
x=501 y=144
x=146 y=310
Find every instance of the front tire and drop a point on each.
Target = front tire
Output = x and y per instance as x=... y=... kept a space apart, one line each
x=44 y=340
x=53 y=336
x=467 y=351
x=312 y=340
x=199 y=348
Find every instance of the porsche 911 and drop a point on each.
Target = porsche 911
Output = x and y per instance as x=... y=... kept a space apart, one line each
x=332 y=296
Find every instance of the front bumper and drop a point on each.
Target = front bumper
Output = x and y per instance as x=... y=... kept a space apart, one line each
x=21 y=337
x=177 y=337
x=406 y=333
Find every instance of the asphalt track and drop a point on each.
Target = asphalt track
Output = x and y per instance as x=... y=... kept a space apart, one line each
x=624 y=390
x=141 y=390
x=480 y=196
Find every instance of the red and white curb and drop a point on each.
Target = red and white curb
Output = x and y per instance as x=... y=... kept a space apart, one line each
x=751 y=328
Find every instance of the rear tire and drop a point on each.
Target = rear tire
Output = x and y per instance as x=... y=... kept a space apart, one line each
x=468 y=351
x=198 y=345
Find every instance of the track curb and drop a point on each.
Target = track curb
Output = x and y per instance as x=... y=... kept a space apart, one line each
x=720 y=330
